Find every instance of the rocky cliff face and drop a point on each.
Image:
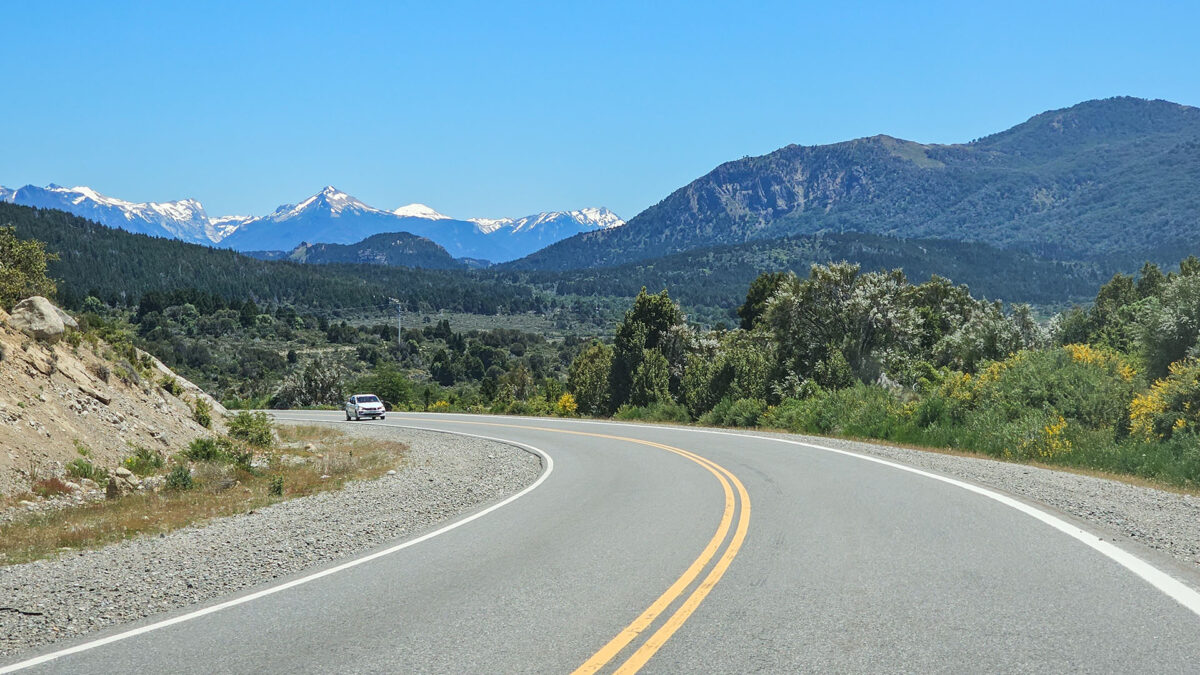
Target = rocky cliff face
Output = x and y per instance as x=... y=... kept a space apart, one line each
x=68 y=399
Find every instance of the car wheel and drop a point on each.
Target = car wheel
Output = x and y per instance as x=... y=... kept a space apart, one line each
x=347 y=416
x=383 y=417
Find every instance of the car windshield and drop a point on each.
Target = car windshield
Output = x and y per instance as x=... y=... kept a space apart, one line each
x=368 y=399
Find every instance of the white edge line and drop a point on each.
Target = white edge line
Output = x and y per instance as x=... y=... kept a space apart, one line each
x=549 y=468
x=1164 y=582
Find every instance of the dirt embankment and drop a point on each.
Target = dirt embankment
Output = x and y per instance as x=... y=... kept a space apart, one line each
x=62 y=401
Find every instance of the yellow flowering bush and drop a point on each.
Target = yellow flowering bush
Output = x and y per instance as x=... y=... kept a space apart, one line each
x=1171 y=405
x=566 y=405
x=1046 y=443
x=1101 y=357
x=440 y=406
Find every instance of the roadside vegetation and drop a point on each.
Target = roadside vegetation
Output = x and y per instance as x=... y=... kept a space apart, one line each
x=1112 y=388
x=255 y=466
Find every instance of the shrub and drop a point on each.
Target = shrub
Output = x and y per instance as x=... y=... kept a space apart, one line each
x=127 y=373
x=744 y=412
x=50 y=487
x=795 y=415
x=440 y=406
x=202 y=412
x=1171 y=405
x=253 y=428
x=100 y=370
x=233 y=453
x=566 y=406
x=171 y=385
x=203 y=450
x=863 y=411
x=217 y=450
x=81 y=468
x=276 y=487
x=180 y=478
x=655 y=412
x=143 y=461
x=1083 y=384
x=23 y=270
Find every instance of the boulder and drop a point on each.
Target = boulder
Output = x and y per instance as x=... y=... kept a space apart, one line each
x=68 y=320
x=38 y=318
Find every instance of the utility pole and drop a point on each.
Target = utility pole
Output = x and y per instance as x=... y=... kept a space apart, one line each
x=399 y=322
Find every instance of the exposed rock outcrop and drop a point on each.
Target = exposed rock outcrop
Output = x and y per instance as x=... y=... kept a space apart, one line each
x=61 y=403
x=38 y=318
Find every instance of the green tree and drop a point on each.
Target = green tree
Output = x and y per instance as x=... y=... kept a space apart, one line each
x=761 y=290
x=869 y=320
x=1150 y=280
x=588 y=378
x=736 y=365
x=1168 y=325
x=652 y=380
x=653 y=324
x=388 y=384
x=22 y=268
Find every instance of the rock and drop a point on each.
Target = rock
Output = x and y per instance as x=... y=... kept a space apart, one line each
x=73 y=487
x=122 y=472
x=38 y=318
x=95 y=394
x=89 y=483
x=391 y=472
x=67 y=319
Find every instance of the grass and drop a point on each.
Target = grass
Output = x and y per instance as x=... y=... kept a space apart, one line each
x=219 y=490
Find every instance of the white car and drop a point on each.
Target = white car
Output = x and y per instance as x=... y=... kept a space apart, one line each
x=364 y=405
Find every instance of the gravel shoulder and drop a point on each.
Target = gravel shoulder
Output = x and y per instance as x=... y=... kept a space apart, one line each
x=443 y=475
x=1167 y=522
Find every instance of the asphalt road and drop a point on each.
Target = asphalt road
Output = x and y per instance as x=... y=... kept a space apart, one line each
x=676 y=550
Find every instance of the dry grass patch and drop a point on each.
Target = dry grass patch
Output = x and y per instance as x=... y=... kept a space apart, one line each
x=220 y=489
x=306 y=433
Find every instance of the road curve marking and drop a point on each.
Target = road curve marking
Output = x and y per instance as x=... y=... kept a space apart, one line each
x=547 y=470
x=660 y=637
x=1173 y=588
x=631 y=632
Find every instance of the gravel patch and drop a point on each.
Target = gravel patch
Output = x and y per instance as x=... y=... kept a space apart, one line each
x=443 y=475
x=1164 y=521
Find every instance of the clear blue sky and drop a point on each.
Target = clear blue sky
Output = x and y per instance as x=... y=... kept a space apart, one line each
x=479 y=109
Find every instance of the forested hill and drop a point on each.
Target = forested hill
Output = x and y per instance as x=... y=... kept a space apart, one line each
x=716 y=276
x=119 y=267
x=1116 y=176
x=396 y=248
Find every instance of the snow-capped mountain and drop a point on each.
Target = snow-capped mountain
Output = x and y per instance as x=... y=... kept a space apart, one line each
x=419 y=211
x=594 y=218
x=523 y=236
x=224 y=226
x=184 y=219
x=334 y=217
x=328 y=217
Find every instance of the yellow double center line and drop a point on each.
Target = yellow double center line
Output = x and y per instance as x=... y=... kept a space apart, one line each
x=735 y=493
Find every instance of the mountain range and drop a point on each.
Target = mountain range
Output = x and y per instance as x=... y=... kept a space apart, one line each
x=1101 y=179
x=330 y=216
x=396 y=249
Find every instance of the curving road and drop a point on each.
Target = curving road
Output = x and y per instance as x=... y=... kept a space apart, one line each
x=683 y=550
